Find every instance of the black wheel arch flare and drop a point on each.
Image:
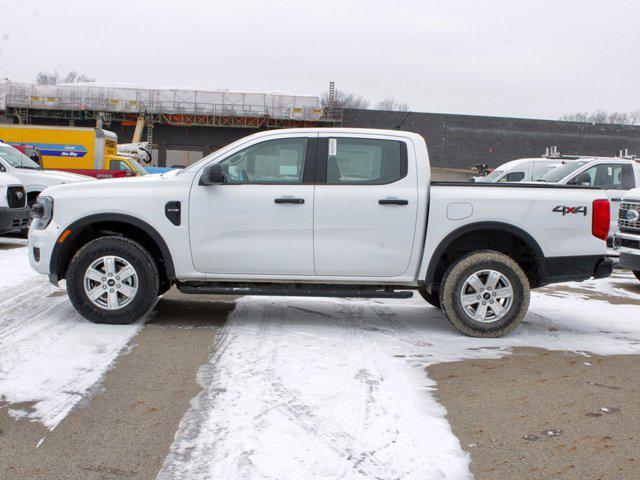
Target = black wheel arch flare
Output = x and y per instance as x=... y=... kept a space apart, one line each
x=77 y=226
x=525 y=237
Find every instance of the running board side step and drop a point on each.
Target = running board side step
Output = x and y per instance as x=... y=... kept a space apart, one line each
x=294 y=290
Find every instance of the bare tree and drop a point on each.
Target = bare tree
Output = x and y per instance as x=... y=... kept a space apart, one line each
x=47 y=78
x=575 y=117
x=391 y=104
x=602 y=116
x=634 y=117
x=621 y=118
x=53 y=78
x=344 y=99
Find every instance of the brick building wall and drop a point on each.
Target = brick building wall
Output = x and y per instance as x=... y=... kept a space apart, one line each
x=459 y=141
x=454 y=141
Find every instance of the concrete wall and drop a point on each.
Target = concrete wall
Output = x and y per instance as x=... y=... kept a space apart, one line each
x=459 y=141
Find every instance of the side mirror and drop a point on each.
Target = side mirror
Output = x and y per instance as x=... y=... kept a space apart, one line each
x=583 y=179
x=212 y=175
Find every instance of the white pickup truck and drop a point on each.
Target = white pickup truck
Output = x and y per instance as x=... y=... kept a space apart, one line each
x=615 y=175
x=318 y=212
x=14 y=213
x=627 y=239
x=33 y=176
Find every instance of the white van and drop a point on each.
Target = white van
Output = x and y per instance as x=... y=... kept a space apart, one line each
x=521 y=170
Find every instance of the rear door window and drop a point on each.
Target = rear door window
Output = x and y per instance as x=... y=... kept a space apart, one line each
x=611 y=176
x=363 y=161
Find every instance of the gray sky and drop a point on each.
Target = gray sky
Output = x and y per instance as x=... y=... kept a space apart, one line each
x=529 y=58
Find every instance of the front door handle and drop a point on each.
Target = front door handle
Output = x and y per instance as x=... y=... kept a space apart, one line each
x=393 y=201
x=295 y=201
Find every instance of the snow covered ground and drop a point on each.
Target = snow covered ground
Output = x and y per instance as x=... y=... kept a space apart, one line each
x=50 y=357
x=297 y=388
x=326 y=388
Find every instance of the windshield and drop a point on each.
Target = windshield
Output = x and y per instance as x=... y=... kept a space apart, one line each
x=540 y=172
x=14 y=158
x=561 y=171
x=137 y=167
x=492 y=176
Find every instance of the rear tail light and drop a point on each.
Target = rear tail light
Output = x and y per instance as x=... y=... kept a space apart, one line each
x=600 y=222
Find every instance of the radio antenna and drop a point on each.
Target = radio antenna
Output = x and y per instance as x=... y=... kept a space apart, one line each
x=398 y=127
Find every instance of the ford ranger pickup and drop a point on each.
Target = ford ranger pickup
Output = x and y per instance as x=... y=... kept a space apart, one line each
x=318 y=212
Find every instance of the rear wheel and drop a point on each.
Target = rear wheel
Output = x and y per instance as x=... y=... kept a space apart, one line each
x=112 y=280
x=485 y=294
x=432 y=299
x=637 y=274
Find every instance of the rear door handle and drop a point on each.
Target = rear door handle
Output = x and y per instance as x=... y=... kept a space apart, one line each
x=295 y=201
x=393 y=201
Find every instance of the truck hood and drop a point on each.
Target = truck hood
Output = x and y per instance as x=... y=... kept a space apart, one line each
x=48 y=177
x=107 y=184
x=7 y=180
x=633 y=194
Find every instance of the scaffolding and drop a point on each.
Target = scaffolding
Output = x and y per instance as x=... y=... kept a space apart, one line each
x=211 y=108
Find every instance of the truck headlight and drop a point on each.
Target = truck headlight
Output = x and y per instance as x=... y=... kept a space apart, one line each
x=42 y=213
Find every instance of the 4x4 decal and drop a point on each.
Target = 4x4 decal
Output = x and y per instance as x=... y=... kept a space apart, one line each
x=570 y=210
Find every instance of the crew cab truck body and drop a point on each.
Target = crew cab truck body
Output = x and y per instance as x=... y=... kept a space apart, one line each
x=318 y=212
x=627 y=239
x=14 y=213
x=615 y=175
x=86 y=151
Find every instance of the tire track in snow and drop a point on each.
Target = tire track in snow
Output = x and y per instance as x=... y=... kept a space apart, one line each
x=337 y=388
x=302 y=390
x=50 y=356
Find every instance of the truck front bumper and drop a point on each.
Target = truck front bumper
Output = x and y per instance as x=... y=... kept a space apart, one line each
x=41 y=243
x=628 y=246
x=13 y=218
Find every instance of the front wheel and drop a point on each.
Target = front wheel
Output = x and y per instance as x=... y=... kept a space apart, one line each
x=112 y=280
x=485 y=294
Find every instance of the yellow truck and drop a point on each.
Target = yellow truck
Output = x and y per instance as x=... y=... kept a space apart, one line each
x=89 y=151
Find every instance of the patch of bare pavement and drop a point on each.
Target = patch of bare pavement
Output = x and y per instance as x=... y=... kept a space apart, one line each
x=125 y=430
x=538 y=414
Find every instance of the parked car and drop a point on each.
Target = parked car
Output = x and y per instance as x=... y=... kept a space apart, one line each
x=14 y=213
x=627 y=238
x=319 y=212
x=615 y=175
x=33 y=176
x=520 y=170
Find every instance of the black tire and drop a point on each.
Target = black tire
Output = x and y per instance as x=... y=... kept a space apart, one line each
x=432 y=299
x=454 y=279
x=129 y=250
x=637 y=274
